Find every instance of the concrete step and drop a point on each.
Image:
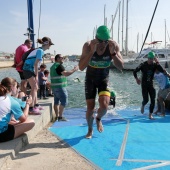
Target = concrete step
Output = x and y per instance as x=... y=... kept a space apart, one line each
x=11 y=148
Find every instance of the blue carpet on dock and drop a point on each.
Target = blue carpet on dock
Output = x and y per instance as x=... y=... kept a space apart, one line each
x=129 y=141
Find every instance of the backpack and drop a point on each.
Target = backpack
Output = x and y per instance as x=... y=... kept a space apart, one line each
x=25 y=55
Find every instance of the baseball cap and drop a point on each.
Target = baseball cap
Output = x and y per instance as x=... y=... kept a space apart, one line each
x=151 y=55
x=47 y=39
x=103 y=33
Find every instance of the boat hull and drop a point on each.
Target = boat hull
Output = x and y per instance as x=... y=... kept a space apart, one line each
x=131 y=65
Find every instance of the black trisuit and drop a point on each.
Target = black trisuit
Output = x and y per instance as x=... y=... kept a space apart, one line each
x=148 y=71
x=97 y=74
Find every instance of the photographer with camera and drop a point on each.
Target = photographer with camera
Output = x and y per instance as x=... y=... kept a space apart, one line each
x=11 y=107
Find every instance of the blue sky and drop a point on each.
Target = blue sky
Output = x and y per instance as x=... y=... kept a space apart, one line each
x=70 y=23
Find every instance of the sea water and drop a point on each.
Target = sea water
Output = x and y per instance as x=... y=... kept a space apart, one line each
x=128 y=93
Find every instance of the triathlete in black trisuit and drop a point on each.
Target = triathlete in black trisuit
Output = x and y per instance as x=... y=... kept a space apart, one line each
x=148 y=69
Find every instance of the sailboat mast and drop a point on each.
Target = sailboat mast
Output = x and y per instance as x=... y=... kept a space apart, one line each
x=126 y=47
x=94 y=33
x=137 y=41
x=113 y=19
x=122 y=23
x=149 y=26
x=112 y=27
x=165 y=33
x=104 y=15
x=119 y=21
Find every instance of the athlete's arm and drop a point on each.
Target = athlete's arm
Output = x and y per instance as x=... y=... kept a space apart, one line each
x=159 y=68
x=166 y=73
x=116 y=56
x=88 y=50
x=135 y=73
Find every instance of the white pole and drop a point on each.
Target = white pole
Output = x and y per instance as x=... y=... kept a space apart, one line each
x=122 y=24
x=112 y=27
x=126 y=28
x=165 y=33
x=104 y=14
x=137 y=41
x=119 y=21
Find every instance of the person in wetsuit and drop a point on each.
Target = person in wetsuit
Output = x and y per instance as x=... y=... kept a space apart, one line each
x=148 y=69
x=112 y=99
x=97 y=55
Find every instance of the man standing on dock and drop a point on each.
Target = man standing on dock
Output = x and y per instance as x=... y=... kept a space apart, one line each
x=97 y=55
x=59 y=76
x=18 y=57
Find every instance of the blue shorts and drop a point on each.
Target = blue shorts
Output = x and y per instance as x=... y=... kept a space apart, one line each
x=60 y=96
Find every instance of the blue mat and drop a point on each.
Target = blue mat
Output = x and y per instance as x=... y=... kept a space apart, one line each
x=129 y=141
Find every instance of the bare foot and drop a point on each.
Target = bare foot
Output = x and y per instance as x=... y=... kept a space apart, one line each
x=89 y=134
x=156 y=112
x=99 y=125
x=151 y=117
x=162 y=115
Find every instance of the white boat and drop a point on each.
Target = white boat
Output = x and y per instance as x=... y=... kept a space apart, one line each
x=163 y=56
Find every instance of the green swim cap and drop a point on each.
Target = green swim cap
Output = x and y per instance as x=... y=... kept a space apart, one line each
x=103 y=33
x=151 y=55
x=112 y=94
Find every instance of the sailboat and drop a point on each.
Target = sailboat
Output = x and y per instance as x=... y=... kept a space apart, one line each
x=163 y=55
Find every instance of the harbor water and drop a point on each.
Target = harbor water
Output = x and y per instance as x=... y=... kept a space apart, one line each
x=128 y=93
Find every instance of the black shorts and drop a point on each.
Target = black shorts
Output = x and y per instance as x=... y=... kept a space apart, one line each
x=28 y=74
x=8 y=134
x=94 y=86
x=21 y=75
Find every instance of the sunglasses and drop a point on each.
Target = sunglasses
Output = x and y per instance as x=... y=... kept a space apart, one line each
x=103 y=41
x=151 y=58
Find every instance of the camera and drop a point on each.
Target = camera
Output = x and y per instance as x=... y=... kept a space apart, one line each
x=24 y=98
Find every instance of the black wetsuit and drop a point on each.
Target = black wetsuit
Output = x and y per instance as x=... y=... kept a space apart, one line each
x=148 y=71
x=97 y=74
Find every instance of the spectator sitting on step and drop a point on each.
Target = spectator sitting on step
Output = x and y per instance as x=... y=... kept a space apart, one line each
x=8 y=107
x=18 y=95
